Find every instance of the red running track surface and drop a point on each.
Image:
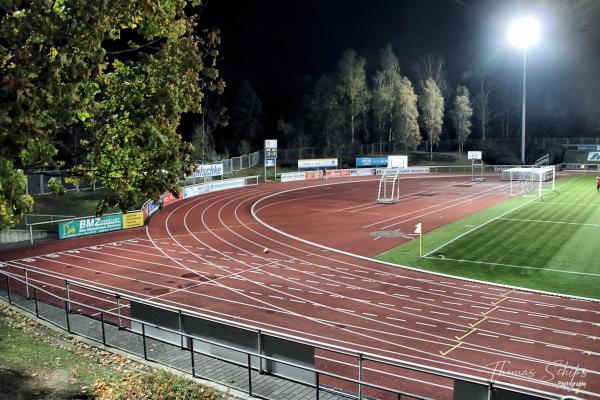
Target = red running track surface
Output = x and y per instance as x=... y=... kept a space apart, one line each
x=206 y=254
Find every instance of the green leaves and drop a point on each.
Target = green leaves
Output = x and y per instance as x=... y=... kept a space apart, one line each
x=62 y=72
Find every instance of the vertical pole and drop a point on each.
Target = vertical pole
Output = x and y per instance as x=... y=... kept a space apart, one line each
x=67 y=315
x=103 y=329
x=8 y=289
x=31 y=233
x=523 y=110
x=421 y=245
x=260 y=352
x=68 y=294
x=249 y=374
x=41 y=184
x=192 y=355
x=119 y=311
x=37 y=312
x=360 y=375
x=180 y=329
x=143 y=340
x=26 y=286
x=316 y=385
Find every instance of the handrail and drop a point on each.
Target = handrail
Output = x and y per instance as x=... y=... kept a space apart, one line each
x=325 y=346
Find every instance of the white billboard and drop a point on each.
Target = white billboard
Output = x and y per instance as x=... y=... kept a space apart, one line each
x=203 y=170
x=292 y=176
x=318 y=163
x=397 y=161
x=474 y=155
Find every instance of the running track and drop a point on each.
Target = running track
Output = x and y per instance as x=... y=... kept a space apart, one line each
x=205 y=254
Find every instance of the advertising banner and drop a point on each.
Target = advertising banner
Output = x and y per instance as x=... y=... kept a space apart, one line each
x=90 y=226
x=203 y=170
x=318 y=163
x=371 y=161
x=312 y=175
x=292 y=176
x=336 y=173
x=150 y=208
x=362 y=172
x=474 y=155
x=594 y=156
x=168 y=198
x=588 y=147
x=195 y=190
x=133 y=220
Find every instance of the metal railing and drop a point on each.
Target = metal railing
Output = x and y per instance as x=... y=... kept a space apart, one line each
x=73 y=306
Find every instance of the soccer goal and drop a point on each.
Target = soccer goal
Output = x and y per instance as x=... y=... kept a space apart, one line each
x=530 y=181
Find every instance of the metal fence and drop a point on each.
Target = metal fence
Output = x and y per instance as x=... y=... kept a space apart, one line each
x=246 y=161
x=104 y=316
x=37 y=184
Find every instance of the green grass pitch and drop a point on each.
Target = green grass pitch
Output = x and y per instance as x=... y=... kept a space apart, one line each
x=550 y=243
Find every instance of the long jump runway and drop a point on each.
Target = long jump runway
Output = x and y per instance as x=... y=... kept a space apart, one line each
x=207 y=254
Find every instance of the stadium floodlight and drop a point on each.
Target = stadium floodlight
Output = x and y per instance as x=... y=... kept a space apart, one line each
x=524 y=33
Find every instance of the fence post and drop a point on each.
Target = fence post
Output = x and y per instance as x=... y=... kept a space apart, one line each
x=317 y=385
x=249 y=374
x=68 y=294
x=193 y=361
x=37 y=313
x=260 y=351
x=31 y=233
x=144 y=341
x=119 y=311
x=8 y=289
x=181 y=330
x=360 y=375
x=103 y=329
x=67 y=315
x=26 y=285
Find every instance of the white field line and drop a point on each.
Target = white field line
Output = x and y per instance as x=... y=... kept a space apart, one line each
x=550 y=222
x=476 y=228
x=512 y=266
x=484 y=224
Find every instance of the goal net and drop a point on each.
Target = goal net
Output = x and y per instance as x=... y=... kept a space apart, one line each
x=532 y=181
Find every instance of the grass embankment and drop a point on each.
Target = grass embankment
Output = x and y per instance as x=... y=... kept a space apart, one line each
x=547 y=244
x=39 y=363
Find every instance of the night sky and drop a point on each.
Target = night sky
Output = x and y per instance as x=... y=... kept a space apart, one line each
x=282 y=46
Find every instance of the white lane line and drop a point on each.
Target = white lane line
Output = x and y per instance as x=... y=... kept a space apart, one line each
x=555 y=346
x=345 y=310
x=425 y=298
x=276 y=297
x=517 y=301
x=480 y=307
x=465 y=317
x=256 y=293
x=530 y=327
x=522 y=341
x=487 y=334
x=570 y=320
x=537 y=315
x=387 y=304
x=565 y=333
x=439 y=313
x=411 y=308
x=396 y=319
x=509 y=311
x=423 y=323
x=545 y=305
x=298 y=301
x=498 y=322
x=370 y=314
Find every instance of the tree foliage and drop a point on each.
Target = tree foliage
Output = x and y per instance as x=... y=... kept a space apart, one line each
x=326 y=113
x=247 y=113
x=384 y=96
x=122 y=71
x=432 y=112
x=406 y=115
x=353 y=90
x=461 y=116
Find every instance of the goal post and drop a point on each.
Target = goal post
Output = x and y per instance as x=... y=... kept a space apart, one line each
x=528 y=181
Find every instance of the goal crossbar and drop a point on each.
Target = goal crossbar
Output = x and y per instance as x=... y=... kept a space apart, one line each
x=534 y=180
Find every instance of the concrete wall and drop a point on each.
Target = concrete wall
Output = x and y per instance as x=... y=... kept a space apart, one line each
x=22 y=235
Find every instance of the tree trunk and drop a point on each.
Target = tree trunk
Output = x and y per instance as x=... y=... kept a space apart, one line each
x=352 y=129
x=430 y=149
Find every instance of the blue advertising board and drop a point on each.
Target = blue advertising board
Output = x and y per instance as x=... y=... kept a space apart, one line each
x=371 y=161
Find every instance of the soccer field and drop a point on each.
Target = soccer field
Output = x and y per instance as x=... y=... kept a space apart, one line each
x=550 y=243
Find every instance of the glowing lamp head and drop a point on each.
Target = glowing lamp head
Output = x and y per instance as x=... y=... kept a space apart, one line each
x=524 y=32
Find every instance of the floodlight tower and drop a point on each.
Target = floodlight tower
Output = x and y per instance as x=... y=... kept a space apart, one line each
x=524 y=33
